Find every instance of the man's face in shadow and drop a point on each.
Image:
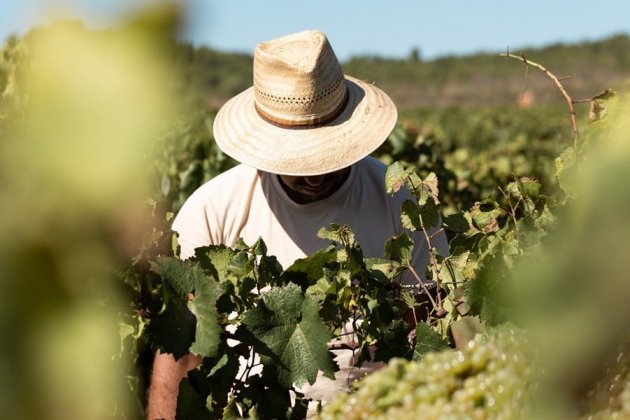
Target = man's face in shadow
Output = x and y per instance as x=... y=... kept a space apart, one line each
x=307 y=189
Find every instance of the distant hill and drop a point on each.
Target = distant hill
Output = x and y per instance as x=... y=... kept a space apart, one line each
x=475 y=80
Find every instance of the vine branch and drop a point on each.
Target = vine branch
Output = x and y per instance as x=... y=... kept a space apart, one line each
x=557 y=83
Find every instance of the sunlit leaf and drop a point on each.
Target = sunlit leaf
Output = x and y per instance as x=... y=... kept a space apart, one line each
x=287 y=322
x=395 y=177
x=427 y=340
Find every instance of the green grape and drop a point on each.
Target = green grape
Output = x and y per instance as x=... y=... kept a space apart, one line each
x=490 y=378
x=610 y=398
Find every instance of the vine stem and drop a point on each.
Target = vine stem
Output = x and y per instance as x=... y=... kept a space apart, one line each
x=560 y=87
x=424 y=286
x=512 y=209
x=433 y=263
x=438 y=305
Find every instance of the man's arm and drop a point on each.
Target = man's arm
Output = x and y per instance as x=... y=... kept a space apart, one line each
x=164 y=388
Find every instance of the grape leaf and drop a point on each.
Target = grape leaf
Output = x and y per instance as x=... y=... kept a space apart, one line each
x=287 y=322
x=566 y=170
x=382 y=268
x=410 y=215
x=207 y=331
x=398 y=248
x=240 y=264
x=530 y=187
x=427 y=340
x=190 y=405
x=338 y=234
x=214 y=259
x=430 y=186
x=452 y=268
x=395 y=177
x=430 y=214
x=179 y=275
x=484 y=216
x=456 y=222
x=173 y=330
x=230 y=412
x=306 y=271
x=392 y=342
x=483 y=293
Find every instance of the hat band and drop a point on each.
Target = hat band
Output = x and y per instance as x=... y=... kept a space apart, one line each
x=313 y=122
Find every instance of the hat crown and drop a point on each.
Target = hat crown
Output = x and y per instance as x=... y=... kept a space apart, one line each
x=298 y=80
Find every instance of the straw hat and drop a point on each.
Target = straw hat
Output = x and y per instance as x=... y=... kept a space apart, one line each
x=303 y=116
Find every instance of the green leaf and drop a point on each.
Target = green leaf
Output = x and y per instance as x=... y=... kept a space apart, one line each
x=207 y=330
x=179 y=275
x=600 y=104
x=395 y=177
x=269 y=271
x=393 y=342
x=173 y=329
x=240 y=264
x=320 y=289
x=300 y=409
x=530 y=187
x=415 y=186
x=306 y=271
x=214 y=259
x=430 y=214
x=287 y=322
x=410 y=215
x=230 y=412
x=456 y=222
x=430 y=186
x=484 y=216
x=215 y=379
x=190 y=405
x=452 y=268
x=546 y=219
x=388 y=268
x=566 y=171
x=273 y=403
x=260 y=248
x=427 y=340
x=398 y=248
x=338 y=234
x=220 y=364
x=483 y=294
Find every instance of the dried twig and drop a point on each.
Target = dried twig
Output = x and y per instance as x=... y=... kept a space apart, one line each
x=560 y=87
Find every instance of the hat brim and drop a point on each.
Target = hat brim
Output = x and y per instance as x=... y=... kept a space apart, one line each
x=364 y=124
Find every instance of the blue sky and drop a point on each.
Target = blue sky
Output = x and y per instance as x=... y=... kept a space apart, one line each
x=389 y=28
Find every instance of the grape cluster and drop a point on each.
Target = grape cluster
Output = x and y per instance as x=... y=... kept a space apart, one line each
x=610 y=399
x=490 y=378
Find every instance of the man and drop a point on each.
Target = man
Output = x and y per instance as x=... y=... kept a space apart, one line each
x=302 y=132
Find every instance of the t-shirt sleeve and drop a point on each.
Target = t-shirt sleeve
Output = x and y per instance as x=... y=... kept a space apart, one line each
x=217 y=211
x=192 y=226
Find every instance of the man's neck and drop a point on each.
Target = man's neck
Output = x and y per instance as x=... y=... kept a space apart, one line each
x=300 y=190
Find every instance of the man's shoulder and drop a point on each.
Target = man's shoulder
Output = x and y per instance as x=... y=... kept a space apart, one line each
x=222 y=191
x=374 y=165
x=229 y=182
x=234 y=175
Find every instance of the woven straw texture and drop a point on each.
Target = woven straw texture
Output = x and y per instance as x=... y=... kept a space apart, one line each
x=303 y=116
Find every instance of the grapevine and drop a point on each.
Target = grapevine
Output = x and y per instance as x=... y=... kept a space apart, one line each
x=496 y=180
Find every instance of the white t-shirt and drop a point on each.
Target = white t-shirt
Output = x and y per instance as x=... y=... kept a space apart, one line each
x=247 y=203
